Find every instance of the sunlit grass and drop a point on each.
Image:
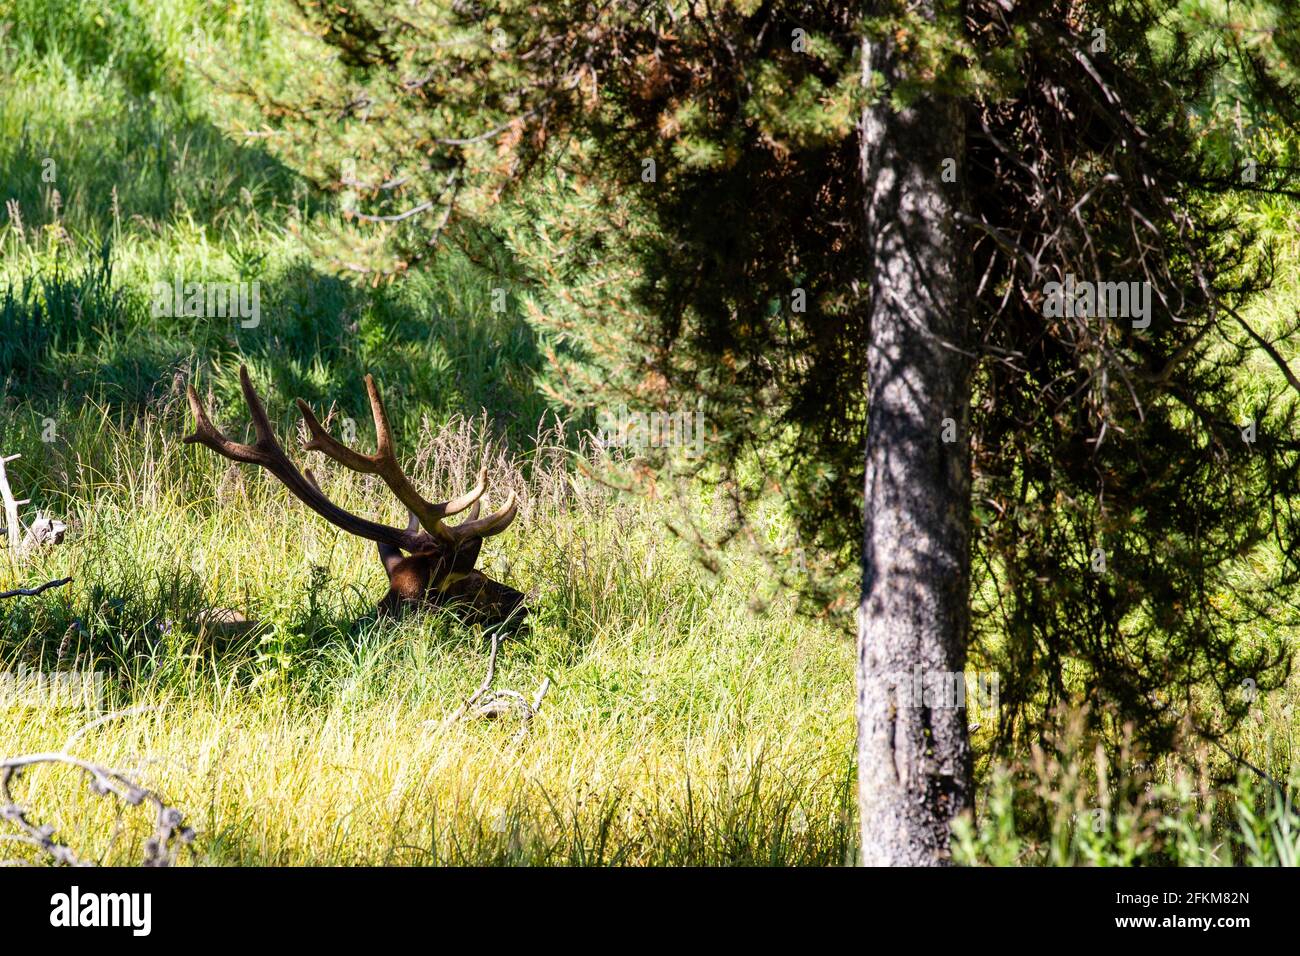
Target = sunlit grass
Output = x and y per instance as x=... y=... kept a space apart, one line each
x=679 y=726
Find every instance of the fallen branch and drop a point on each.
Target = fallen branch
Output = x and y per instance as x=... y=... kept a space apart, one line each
x=497 y=703
x=160 y=848
x=10 y=504
x=32 y=592
x=487 y=681
x=44 y=530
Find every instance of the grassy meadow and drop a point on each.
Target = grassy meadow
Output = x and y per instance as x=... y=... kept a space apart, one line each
x=681 y=724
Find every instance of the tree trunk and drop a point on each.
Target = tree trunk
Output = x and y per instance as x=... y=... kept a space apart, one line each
x=914 y=759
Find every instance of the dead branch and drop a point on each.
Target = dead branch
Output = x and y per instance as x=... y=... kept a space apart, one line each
x=489 y=704
x=483 y=687
x=160 y=849
x=32 y=592
x=44 y=530
x=10 y=504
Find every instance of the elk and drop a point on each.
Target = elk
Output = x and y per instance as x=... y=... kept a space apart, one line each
x=430 y=563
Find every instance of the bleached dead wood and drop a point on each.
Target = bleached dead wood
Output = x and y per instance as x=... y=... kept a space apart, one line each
x=13 y=527
x=160 y=848
x=488 y=704
x=45 y=530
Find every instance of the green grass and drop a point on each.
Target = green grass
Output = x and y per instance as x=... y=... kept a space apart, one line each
x=680 y=727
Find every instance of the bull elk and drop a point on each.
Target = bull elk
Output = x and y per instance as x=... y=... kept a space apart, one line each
x=430 y=563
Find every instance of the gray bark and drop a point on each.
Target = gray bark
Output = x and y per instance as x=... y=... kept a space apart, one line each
x=914 y=760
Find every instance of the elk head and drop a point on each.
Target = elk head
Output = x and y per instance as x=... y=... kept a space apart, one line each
x=430 y=563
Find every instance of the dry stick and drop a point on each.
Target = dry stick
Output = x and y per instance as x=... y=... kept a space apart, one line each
x=159 y=849
x=32 y=592
x=532 y=712
x=483 y=687
x=527 y=710
x=541 y=694
x=10 y=506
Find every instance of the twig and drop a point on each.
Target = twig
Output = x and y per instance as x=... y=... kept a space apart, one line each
x=536 y=706
x=1268 y=348
x=541 y=694
x=483 y=687
x=159 y=850
x=495 y=703
x=32 y=592
x=10 y=506
x=398 y=217
x=493 y=132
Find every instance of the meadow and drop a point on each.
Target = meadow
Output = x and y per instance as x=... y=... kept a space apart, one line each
x=684 y=721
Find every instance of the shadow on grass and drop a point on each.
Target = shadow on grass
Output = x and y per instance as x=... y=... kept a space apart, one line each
x=69 y=335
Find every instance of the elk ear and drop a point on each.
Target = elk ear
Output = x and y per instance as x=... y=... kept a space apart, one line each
x=390 y=555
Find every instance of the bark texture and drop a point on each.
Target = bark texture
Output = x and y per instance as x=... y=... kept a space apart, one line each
x=914 y=760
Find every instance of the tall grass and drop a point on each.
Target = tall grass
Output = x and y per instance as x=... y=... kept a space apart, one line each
x=1071 y=803
x=679 y=728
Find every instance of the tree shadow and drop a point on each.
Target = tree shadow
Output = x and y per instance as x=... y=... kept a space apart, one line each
x=77 y=326
x=70 y=332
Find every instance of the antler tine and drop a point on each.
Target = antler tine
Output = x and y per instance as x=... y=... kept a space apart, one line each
x=494 y=523
x=207 y=434
x=261 y=423
x=266 y=452
x=456 y=505
x=384 y=464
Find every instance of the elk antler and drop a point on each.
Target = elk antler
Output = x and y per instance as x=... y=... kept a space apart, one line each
x=266 y=451
x=384 y=464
